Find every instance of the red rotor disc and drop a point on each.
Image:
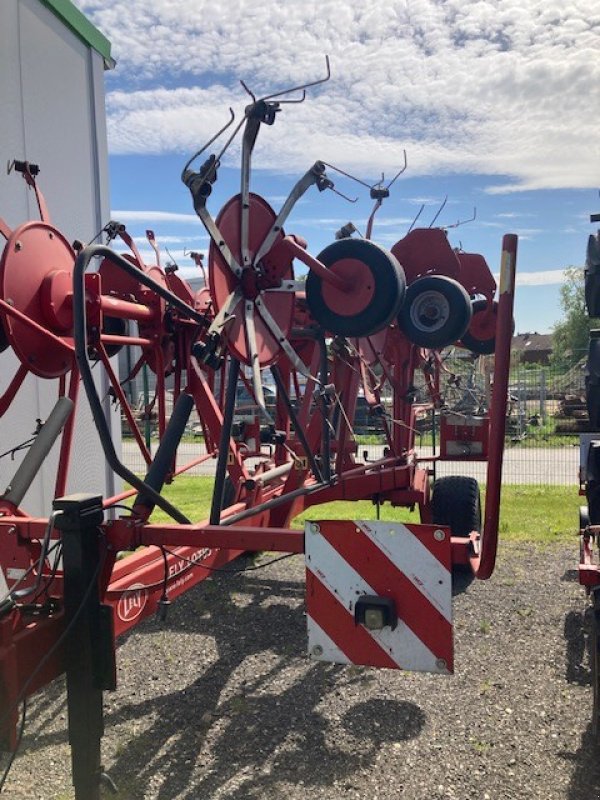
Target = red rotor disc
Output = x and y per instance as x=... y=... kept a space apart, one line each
x=222 y=281
x=36 y=262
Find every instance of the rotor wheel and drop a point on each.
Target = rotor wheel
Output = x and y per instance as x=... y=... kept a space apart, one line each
x=376 y=289
x=35 y=269
x=456 y=502
x=436 y=312
x=480 y=337
x=254 y=284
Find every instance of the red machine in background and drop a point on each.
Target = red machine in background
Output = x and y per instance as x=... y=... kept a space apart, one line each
x=365 y=321
x=589 y=471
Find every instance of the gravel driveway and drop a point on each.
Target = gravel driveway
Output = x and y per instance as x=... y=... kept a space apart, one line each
x=222 y=703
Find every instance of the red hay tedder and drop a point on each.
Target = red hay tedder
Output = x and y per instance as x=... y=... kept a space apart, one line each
x=364 y=323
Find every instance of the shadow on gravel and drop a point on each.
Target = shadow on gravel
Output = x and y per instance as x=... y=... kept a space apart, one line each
x=585 y=782
x=576 y=632
x=462 y=578
x=257 y=732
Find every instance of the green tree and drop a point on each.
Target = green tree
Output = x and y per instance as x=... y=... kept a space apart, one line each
x=571 y=334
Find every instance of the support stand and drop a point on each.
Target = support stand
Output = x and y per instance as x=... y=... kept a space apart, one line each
x=89 y=648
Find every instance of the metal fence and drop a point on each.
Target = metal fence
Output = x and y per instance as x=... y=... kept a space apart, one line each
x=546 y=414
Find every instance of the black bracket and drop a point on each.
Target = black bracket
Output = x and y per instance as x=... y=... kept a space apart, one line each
x=89 y=645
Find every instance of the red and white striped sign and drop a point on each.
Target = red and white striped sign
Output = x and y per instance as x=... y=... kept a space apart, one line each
x=411 y=564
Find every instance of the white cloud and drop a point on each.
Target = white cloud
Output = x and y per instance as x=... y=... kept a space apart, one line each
x=167 y=240
x=497 y=87
x=548 y=277
x=154 y=216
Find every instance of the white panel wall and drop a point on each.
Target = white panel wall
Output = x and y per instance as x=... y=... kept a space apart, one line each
x=52 y=100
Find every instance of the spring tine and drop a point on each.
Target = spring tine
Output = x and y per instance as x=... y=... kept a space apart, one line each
x=397 y=175
x=345 y=197
x=439 y=211
x=348 y=175
x=414 y=222
x=460 y=222
x=292 y=102
x=252 y=95
x=208 y=144
x=304 y=85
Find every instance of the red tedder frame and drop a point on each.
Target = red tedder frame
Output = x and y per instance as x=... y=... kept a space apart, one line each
x=365 y=323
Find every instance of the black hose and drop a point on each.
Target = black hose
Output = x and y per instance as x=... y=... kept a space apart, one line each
x=219 y=487
x=80 y=338
x=163 y=460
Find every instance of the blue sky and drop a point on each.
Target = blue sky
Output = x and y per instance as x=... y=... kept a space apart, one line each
x=497 y=104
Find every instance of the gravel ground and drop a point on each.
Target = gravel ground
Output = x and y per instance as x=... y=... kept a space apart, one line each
x=222 y=703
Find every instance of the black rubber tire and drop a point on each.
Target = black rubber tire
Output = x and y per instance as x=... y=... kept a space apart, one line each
x=592 y=399
x=593 y=359
x=456 y=502
x=483 y=347
x=592 y=277
x=229 y=493
x=435 y=293
x=388 y=294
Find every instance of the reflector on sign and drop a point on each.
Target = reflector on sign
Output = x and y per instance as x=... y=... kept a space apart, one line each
x=379 y=594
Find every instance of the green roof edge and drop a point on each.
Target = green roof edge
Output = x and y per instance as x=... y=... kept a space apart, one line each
x=81 y=27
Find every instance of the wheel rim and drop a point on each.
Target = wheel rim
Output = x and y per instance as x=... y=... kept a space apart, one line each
x=430 y=312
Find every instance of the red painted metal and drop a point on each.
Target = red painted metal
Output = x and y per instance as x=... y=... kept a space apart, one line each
x=489 y=541
x=359 y=287
x=475 y=275
x=426 y=251
x=222 y=281
x=35 y=256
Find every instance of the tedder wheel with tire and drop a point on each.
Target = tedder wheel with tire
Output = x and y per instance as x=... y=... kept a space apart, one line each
x=456 y=502
x=480 y=337
x=436 y=312
x=377 y=282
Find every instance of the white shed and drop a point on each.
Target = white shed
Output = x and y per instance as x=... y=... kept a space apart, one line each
x=52 y=62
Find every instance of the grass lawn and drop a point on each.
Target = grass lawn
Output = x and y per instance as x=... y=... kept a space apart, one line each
x=529 y=513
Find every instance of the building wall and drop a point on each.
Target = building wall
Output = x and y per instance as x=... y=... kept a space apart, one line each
x=52 y=100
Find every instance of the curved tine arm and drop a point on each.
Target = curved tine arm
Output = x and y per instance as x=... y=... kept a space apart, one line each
x=304 y=85
x=280 y=337
x=293 y=102
x=252 y=346
x=376 y=208
x=305 y=182
x=248 y=142
x=218 y=240
x=208 y=144
x=414 y=222
x=342 y=195
x=439 y=211
x=397 y=175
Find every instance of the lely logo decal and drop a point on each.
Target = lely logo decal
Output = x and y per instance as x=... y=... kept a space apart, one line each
x=132 y=603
